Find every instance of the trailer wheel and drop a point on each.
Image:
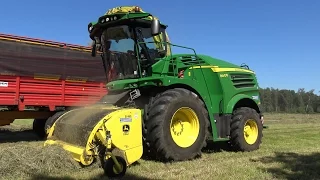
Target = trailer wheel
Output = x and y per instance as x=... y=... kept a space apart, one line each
x=176 y=125
x=38 y=127
x=246 y=130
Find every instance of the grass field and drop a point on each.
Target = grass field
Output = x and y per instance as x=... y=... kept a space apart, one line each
x=290 y=150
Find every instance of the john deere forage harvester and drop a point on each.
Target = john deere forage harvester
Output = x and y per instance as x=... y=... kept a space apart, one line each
x=169 y=104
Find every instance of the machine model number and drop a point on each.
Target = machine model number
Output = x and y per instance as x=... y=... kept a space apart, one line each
x=126 y=119
x=224 y=75
x=255 y=97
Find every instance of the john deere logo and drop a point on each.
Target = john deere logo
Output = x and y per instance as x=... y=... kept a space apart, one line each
x=126 y=128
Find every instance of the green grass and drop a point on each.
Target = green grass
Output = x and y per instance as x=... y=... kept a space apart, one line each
x=290 y=150
x=19 y=122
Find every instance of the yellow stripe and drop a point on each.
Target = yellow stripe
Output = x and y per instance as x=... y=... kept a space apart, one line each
x=218 y=69
x=46 y=77
x=76 y=79
x=198 y=67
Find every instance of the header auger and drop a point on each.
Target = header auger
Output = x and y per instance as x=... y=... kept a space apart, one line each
x=160 y=102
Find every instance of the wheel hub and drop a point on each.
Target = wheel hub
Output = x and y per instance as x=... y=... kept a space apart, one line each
x=250 y=131
x=177 y=128
x=184 y=127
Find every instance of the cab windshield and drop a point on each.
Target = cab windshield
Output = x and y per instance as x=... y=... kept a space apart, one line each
x=120 y=45
x=118 y=53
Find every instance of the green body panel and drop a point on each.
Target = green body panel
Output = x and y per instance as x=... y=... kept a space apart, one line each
x=215 y=88
x=229 y=107
x=220 y=84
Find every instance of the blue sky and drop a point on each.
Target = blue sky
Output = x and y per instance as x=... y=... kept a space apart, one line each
x=280 y=40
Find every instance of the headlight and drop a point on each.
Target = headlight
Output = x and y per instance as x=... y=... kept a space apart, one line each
x=90 y=27
x=104 y=19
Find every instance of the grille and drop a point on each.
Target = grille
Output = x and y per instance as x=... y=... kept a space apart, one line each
x=242 y=80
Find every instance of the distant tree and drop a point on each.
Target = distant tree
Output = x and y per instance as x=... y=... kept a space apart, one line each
x=283 y=101
x=289 y=101
x=275 y=99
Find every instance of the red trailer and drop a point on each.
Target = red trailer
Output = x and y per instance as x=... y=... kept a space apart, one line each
x=39 y=78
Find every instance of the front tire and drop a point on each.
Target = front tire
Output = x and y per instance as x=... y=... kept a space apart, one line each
x=176 y=125
x=246 y=130
x=110 y=169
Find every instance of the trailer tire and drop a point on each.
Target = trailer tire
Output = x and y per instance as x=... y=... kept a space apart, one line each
x=163 y=140
x=38 y=127
x=246 y=130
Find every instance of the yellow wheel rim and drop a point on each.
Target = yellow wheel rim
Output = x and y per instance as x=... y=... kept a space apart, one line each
x=184 y=127
x=86 y=160
x=250 y=131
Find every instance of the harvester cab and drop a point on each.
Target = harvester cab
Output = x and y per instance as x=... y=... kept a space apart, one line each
x=159 y=102
x=137 y=37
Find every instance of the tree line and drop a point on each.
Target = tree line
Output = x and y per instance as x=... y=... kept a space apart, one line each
x=289 y=101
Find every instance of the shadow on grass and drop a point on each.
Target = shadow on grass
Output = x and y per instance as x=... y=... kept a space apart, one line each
x=7 y=136
x=293 y=165
x=128 y=176
x=214 y=147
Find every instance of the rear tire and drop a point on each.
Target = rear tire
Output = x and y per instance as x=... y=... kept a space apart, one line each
x=246 y=130
x=165 y=142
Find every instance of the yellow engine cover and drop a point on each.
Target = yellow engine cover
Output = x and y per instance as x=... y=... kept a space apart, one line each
x=125 y=126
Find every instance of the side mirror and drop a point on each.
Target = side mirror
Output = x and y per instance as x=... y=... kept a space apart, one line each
x=155 y=27
x=94 y=49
